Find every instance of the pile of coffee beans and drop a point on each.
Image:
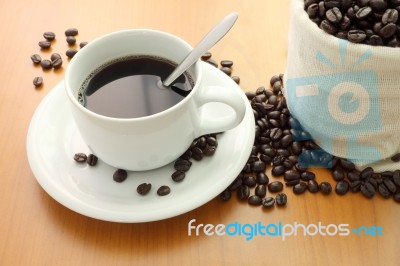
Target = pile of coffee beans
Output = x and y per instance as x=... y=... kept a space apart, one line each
x=373 y=22
x=55 y=60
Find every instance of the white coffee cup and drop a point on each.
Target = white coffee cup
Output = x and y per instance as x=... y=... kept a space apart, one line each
x=149 y=142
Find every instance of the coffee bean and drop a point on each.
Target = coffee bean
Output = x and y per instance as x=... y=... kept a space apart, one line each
x=306 y=176
x=57 y=63
x=342 y=187
x=278 y=170
x=390 y=185
x=355 y=186
x=225 y=195
x=262 y=179
x=366 y=173
x=261 y=190
x=243 y=192
x=328 y=27
x=312 y=186
x=353 y=176
x=390 y=16
x=312 y=10
x=197 y=153
x=212 y=62
x=363 y=12
x=356 y=36
x=367 y=190
x=120 y=175
x=325 y=188
x=226 y=70
x=143 y=188
x=80 y=157
x=291 y=175
x=395 y=158
x=384 y=191
x=275 y=186
x=334 y=15
x=71 y=52
x=163 y=190
x=38 y=81
x=36 y=59
x=388 y=30
x=281 y=199
x=182 y=165
x=236 y=79
x=46 y=64
x=249 y=181
x=209 y=151
x=55 y=56
x=254 y=200
x=44 y=44
x=268 y=202
x=378 y=5
x=300 y=188
x=82 y=44
x=235 y=184
x=71 y=32
x=178 y=176
x=92 y=160
x=338 y=174
x=226 y=63
x=206 y=56
x=396 y=177
x=258 y=166
x=396 y=197
x=48 y=35
x=71 y=40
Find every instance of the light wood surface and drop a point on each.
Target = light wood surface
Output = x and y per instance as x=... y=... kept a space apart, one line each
x=36 y=230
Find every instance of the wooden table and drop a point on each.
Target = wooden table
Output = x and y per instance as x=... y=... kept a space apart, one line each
x=36 y=230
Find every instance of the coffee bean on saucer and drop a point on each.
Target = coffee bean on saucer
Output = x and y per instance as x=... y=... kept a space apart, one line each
x=44 y=44
x=120 y=175
x=92 y=160
x=71 y=40
x=71 y=52
x=281 y=199
x=268 y=202
x=36 y=59
x=38 y=81
x=143 y=188
x=80 y=157
x=182 y=165
x=46 y=64
x=178 y=176
x=225 y=195
x=71 y=32
x=49 y=35
x=163 y=190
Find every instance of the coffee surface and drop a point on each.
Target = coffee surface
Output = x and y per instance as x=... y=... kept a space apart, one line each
x=131 y=87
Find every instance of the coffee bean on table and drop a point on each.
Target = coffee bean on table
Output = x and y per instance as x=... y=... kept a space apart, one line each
x=281 y=199
x=307 y=175
x=46 y=64
x=278 y=170
x=143 y=188
x=182 y=165
x=367 y=190
x=334 y=15
x=356 y=36
x=226 y=63
x=254 y=200
x=44 y=44
x=268 y=202
x=71 y=32
x=325 y=188
x=71 y=40
x=227 y=70
x=163 y=190
x=261 y=190
x=82 y=44
x=36 y=59
x=312 y=186
x=262 y=179
x=38 y=81
x=57 y=63
x=300 y=188
x=390 y=185
x=355 y=186
x=243 y=192
x=383 y=191
x=91 y=160
x=55 y=56
x=395 y=158
x=390 y=16
x=206 y=56
x=71 y=52
x=275 y=186
x=338 y=174
x=235 y=184
x=342 y=187
x=80 y=157
x=249 y=181
x=225 y=195
x=49 y=35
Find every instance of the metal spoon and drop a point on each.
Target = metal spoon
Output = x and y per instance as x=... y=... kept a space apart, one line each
x=208 y=41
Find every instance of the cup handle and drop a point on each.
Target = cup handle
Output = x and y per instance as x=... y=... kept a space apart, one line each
x=209 y=119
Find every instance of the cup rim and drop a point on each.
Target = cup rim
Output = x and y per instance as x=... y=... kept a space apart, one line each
x=111 y=35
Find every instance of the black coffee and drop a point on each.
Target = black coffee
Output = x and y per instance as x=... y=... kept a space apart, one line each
x=130 y=87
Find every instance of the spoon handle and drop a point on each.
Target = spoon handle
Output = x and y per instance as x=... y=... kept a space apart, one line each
x=208 y=41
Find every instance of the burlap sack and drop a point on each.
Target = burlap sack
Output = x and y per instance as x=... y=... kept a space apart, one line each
x=347 y=96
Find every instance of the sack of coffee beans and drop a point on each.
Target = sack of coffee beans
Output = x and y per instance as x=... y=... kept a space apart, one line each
x=342 y=81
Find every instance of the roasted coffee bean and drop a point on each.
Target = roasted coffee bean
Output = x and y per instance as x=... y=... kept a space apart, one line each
x=388 y=30
x=91 y=160
x=396 y=197
x=390 y=185
x=235 y=184
x=182 y=165
x=313 y=10
x=209 y=151
x=275 y=186
x=261 y=190
x=48 y=35
x=243 y=192
x=225 y=195
x=38 y=81
x=143 y=188
x=396 y=177
x=356 y=36
x=378 y=5
x=281 y=199
x=325 y=188
x=226 y=70
x=56 y=64
x=44 y=44
x=36 y=59
x=342 y=187
x=236 y=79
x=82 y=44
x=120 y=175
x=268 y=202
x=163 y=190
x=71 y=40
x=226 y=63
x=258 y=166
x=254 y=200
x=306 y=176
x=328 y=27
x=312 y=186
x=353 y=176
x=355 y=186
x=71 y=32
x=262 y=179
x=71 y=52
x=395 y=158
x=390 y=16
x=278 y=170
x=367 y=190
x=291 y=175
x=178 y=176
x=384 y=191
x=55 y=56
x=338 y=174
x=206 y=56
x=300 y=188
x=334 y=15
x=286 y=141
x=80 y=157
x=249 y=181
x=46 y=64
x=363 y=12
x=367 y=173
x=346 y=164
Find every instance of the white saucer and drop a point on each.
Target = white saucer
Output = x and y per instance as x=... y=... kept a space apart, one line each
x=53 y=140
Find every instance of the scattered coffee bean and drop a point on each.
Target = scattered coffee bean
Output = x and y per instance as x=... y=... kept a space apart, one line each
x=182 y=165
x=226 y=70
x=82 y=44
x=325 y=188
x=178 y=176
x=143 y=188
x=206 y=56
x=367 y=190
x=71 y=40
x=249 y=181
x=312 y=186
x=71 y=32
x=55 y=56
x=236 y=79
x=275 y=186
x=262 y=179
x=281 y=199
x=38 y=81
x=120 y=175
x=300 y=188
x=91 y=160
x=243 y=192
x=46 y=64
x=44 y=44
x=57 y=63
x=268 y=202
x=225 y=195
x=71 y=52
x=254 y=200
x=261 y=190
x=226 y=63
x=342 y=187
x=163 y=190
x=49 y=35
x=80 y=157
x=36 y=59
